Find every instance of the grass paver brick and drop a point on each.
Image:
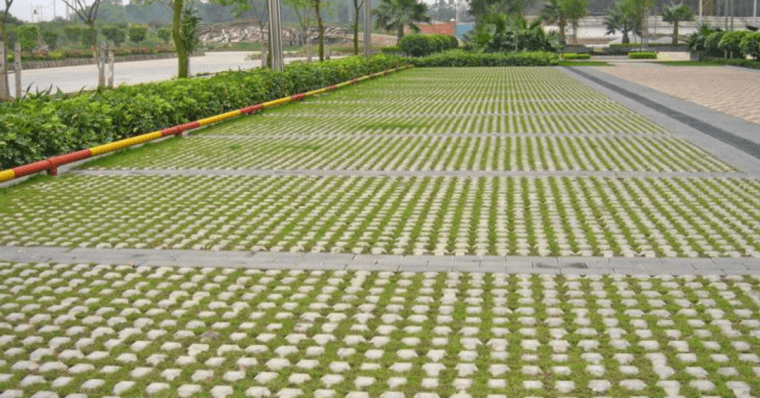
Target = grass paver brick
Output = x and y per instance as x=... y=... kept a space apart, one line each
x=124 y=331
x=675 y=217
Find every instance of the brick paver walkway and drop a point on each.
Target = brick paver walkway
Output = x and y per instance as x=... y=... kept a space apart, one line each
x=733 y=91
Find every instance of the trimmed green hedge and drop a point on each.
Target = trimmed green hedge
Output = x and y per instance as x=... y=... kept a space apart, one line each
x=744 y=63
x=419 y=45
x=576 y=56
x=42 y=126
x=462 y=58
x=642 y=55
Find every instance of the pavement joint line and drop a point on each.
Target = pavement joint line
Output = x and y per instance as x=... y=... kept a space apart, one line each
x=372 y=115
x=418 y=263
x=715 y=132
x=411 y=173
x=430 y=135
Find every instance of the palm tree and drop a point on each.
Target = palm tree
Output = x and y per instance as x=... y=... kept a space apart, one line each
x=552 y=13
x=618 y=19
x=395 y=14
x=675 y=13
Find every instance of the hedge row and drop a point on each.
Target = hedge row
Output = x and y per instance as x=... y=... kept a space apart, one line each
x=462 y=58
x=576 y=56
x=42 y=126
x=744 y=63
x=642 y=55
x=419 y=45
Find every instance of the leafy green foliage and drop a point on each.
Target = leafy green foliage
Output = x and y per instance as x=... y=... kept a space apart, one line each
x=137 y=33
x=165 y=34
x=502 y=33
x=750 y=45
x=576 y=56
x=114 y=34
x=189 y=30
x=418 y=45
x=73 y=33
x=43 y=125
x=459 y=58
x=642 y=55
x=731 y=43
x=395 y=14
x=675 y=13
x=50 y=38
x=711 y=42
x=27 y=36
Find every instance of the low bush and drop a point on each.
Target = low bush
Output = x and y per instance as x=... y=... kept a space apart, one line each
x=744 y=63
x=642 y=55
x=41 y=126
x=576 y=56
x=391 y=50
x=750 y=45
x=137 y=33
x=731 y=43
x=711 y=42
x=419 y=45
x=27 y=36
x=463 y=58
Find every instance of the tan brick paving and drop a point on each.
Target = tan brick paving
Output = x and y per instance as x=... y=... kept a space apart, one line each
x=733 y=91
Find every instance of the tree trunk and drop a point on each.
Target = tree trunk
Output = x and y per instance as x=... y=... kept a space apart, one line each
x=562 y=35
x=177 y=37
x=626 y=39
x=356 y=27
x=4 y=89
x=96 y=54
x=675 y=33
x=321 y=30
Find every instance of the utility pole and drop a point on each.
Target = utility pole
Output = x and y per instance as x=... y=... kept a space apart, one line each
x=367 y=28
x=701 y=16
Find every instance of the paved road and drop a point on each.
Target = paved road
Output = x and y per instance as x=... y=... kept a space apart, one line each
x=74 y=78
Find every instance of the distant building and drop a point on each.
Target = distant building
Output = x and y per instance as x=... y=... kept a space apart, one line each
x=742 y=8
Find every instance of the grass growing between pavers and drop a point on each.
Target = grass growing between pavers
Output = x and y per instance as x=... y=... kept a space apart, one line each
x=191 y=332
x=673 y=217
x=483 y=153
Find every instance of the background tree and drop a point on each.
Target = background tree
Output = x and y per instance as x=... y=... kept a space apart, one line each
x=675 y=13
x=395 y=14
x=318 y=9
x=355 y=27
x=137 y=33
x=575 y=10
x=482 y=8
x=27 y=35
x=553 y=12
x=618 y=19
x=88 y=15
x=638 y=10
x=305 y=17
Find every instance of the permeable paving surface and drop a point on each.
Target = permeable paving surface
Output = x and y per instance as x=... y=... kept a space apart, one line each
x=491 y=161
x=500 y=161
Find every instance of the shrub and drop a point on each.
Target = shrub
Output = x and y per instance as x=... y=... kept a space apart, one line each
x=73 y=33
x=43 y=126
x=114 y=34
x=88 y=37
x=642 y=55
x=27 y=35
x=711 y=43
x=744 y=63
x=391 y=50
x=51 y=39
x=750 y=45
x=576 y=56
x=137 y=33
x=416 y=45
x=461 y=58
x=56 y=55
x=731 y=43
x=165 y=34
